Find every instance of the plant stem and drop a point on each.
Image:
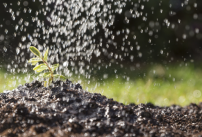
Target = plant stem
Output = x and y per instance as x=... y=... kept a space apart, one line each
x=48 y=68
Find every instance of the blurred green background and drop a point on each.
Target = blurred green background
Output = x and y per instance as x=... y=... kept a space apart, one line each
x=178 y=84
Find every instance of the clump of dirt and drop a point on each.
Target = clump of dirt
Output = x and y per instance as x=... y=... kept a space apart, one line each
x=65 y=109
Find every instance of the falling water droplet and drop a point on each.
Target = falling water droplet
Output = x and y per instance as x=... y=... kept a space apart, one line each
x=30 y=10
x=17 y=50
x=29 y=37
x=5 y=5
x=195 y=5
x=1 y=37
x=13 y=17
x=120 y=11
x=5 y=49
x=20 y=21
x=115 y=71
x=23 y=38
x=184 y=36
x=16 y=27
x=26 y=23
x=6 y=31
x=138 y=47
x=196 y=30
x=134 y=37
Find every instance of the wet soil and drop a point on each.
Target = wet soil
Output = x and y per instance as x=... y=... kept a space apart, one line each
x=64 y=109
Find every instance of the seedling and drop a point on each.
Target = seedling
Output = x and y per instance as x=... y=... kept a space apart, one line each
x=44 y=69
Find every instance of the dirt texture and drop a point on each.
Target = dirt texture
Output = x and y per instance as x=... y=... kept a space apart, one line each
x=64 y=109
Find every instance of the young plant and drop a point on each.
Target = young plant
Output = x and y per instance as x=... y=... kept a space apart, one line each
x=44 y=68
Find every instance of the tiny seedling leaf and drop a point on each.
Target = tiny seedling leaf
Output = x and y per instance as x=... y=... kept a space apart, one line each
x=40 y=67
x=56 y=75
x=55 y=66
x=34 y=61
x=47 y=74
x=35 y=51
x=49 y=81
x=46 y=55
x=62 y=77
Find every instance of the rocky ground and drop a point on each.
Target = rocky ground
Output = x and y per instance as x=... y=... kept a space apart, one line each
x=64 y=109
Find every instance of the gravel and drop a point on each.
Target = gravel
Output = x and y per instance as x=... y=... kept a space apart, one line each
x=65 y=109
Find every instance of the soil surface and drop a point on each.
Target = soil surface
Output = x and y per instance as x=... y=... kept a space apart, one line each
x=64 y=109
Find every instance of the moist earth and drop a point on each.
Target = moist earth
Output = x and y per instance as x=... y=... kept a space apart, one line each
x=65 y=109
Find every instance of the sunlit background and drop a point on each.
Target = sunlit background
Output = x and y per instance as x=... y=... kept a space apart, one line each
x=134 y=51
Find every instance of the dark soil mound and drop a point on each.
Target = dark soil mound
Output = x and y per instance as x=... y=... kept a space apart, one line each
x=66 y=110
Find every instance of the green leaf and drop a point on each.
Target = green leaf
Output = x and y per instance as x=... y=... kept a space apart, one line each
x=46 y=55
x=40 y=67
x=35 y=51
x=56 y=75
x=54 y=67
x=60 y=76
x=34 y=61
x=49 y=81
x=46 y=74
x=63 y=77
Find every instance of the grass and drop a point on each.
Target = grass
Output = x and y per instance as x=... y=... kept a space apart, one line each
x=10 y=81
x=163 y=86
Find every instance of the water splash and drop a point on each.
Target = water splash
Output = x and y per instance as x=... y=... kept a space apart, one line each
x=87 y=36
